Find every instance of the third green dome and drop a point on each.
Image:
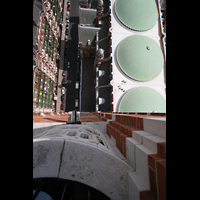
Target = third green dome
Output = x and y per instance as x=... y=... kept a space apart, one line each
x=142 y=99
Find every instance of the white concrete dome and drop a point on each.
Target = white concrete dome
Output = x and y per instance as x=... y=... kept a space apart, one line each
x=80 y=153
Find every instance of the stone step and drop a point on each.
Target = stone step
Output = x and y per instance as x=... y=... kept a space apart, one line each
x=138 y=135
x=147 y=139
x=136 y=186
x=139 y=144
x=156 y=126
x=139 y=147
x=141 y=159
x=131 y=152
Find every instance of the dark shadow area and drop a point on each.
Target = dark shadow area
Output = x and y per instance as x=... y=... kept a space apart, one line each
x=104 y=44
x=104 y=28
x=105 y=6
x=105 y=79
x=105 y=93
x=94 y=4
x=72 y=49
x=88 y=88
x=58 y=188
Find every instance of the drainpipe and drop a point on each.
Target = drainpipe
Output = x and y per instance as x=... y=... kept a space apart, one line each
x=34 y=69
x=97 y=41
x=163 y=35
x=96 y=70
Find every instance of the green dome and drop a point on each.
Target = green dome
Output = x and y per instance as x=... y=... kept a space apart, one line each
x=142 y=99
x=139 y=15
x=140 y=57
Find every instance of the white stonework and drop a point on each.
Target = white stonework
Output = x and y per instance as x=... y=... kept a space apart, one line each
x=80 y=153
x=142 y=144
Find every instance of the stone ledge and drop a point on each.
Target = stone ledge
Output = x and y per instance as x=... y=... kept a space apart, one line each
x=156 y=126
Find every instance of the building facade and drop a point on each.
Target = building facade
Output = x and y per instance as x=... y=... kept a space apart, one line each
x=118 y=150
x=95 y=43
x=47 y=22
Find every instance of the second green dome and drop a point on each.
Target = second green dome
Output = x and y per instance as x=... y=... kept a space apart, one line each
x=140 y=57
x=139 y=15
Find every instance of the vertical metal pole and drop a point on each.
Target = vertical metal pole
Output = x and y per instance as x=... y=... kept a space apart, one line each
x=97 y=41
x=88 y=193
x=38 y=189
x=64 y=190
x=80 y=86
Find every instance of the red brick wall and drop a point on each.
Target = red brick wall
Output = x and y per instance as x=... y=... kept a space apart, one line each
x=157 y=171
x=120 y=130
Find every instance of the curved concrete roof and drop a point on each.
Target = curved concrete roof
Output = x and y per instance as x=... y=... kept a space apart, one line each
x=140 y=57
x=142 y=99
x=61 y=152
x=139 y=15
